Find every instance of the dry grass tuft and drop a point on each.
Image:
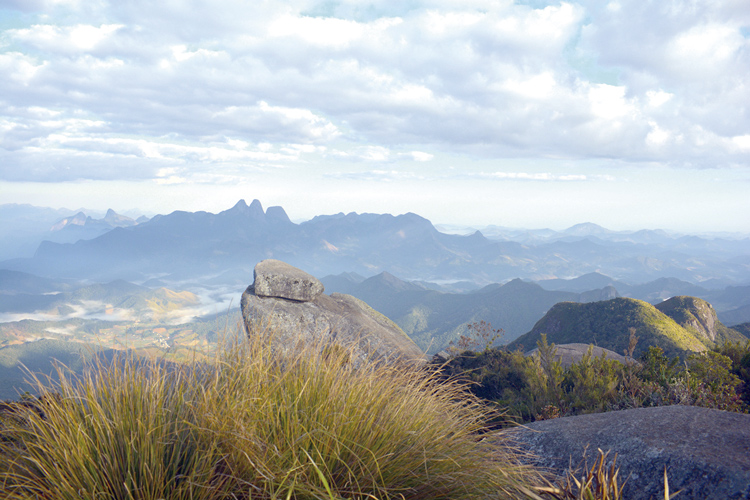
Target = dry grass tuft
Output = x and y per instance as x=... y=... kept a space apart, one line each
x=255 y=424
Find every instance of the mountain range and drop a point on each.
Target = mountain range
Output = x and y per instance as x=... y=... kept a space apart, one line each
x=24 y=227
x=433 y=318
x=200 y=245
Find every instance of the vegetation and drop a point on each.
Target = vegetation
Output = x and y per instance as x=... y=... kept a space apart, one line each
x=254 y=424
x=538 y=387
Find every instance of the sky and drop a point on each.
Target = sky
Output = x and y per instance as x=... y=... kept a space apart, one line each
x=630 y=113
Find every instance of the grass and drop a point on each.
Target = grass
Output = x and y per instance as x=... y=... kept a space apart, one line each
x=255 y=424
x=600 y=482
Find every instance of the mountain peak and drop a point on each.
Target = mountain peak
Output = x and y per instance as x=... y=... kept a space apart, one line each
x=277 y=214
x=586 y=229
x=256 y=208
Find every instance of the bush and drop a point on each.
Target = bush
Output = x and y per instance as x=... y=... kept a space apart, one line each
x=739 y=353
x=537 y=387
x=254 y=424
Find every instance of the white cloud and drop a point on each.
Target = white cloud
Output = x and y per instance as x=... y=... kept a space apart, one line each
x=421 y=156
x=18 y=67
x=657 y=98
x=530 y=176
x=51 y=38
x=205 y=85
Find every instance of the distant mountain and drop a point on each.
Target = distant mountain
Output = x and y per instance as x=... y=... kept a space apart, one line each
x=40 y=358
x=24 y=227
x=743 y=328
x=606 y=324
x=433 y=318
x=587 y=229
x=582 y=283
x=341 y=283
x=18 y=282
x=82 y=227
x=736 y=316
x=202 y=246
x=731 y=297
x=662 y=289
x=653 y=291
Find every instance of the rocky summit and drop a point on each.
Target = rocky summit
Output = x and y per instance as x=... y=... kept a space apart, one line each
x=706 y=452
x=288 y=306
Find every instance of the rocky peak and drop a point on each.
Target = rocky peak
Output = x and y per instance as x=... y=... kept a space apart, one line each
x=692 y=313
x=277 y=214
x=253 y=211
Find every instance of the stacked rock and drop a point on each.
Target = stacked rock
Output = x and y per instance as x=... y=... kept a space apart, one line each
x=288 y=306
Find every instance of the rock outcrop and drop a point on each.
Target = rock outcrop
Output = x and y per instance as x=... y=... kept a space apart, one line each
x=699 y=317
x=567 y=354
x=706 y=452
x=288 y=306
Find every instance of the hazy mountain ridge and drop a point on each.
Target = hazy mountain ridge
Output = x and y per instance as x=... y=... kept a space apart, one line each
x=732 y=303
x=24 y=227
x=196 y=245
x=83 y=227
x=433 y=318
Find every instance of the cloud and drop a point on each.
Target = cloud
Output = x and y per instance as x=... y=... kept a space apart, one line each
x=99 y=83
x=539 y=176
x=65 y=39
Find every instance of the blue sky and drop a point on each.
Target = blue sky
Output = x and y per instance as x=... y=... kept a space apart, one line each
x=630 y=114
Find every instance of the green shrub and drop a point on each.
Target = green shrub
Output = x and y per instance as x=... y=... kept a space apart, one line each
x=590 y=386
x=739 y=353
x=537 y=387
x=658 y=368
x=256 y=424
x=711 y=382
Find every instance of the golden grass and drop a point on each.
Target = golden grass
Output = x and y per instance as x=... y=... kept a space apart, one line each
x=255 y=424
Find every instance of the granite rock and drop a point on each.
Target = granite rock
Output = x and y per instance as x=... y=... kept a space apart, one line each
x=293 y=318
x=706 y=452
x=274 y=278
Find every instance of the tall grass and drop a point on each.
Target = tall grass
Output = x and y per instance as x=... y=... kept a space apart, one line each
x=255 y=424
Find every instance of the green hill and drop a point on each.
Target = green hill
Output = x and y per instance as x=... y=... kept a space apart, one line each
x=607 y=323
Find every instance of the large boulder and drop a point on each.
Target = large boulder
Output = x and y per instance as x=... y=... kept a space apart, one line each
x=706 y=452
x=273 y=278
x=567 y=354
x=288 y=306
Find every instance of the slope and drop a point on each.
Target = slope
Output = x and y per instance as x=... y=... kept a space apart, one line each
x=607 y=323
x=699 y=318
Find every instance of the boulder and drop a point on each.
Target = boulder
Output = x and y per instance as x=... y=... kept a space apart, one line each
x=273 y=278
x=706 y=452
x=567 y=354
x=286 y=305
